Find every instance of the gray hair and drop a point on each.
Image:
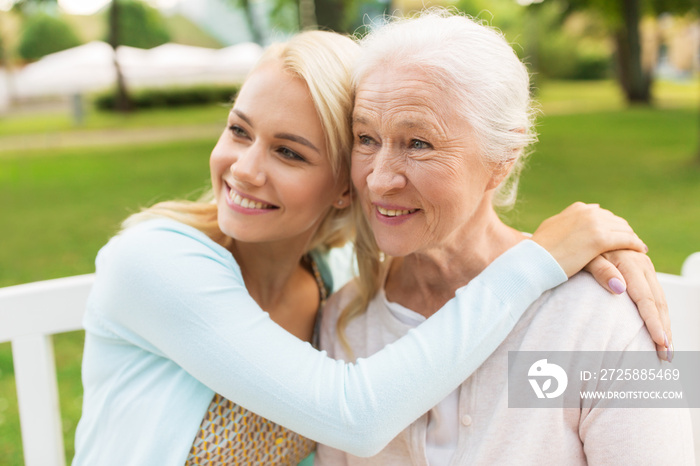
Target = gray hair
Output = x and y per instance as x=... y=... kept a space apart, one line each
x=488 y=83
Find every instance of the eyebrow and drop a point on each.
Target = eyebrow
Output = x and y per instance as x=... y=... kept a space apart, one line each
x=411 y=124
x=299 y=139
x=242 y=116
x=405 y=123
x=360 y=119
x=290 y=137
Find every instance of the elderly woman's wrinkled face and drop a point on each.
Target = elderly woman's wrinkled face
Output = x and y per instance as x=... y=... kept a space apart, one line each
x=420 y=178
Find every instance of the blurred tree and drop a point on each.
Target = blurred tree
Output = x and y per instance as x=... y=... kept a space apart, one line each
x=5 y=65
x=133 y=23
x=623 y=17
x=345 y=16
x=331 y=14
x=122 y=102
x=26 y=7
x=138 y=24
x=280 y=12
x=335 y=15
x=253 y=25
x=3 y=53
x=553 y=46
x=307 y=14
x=43 y=34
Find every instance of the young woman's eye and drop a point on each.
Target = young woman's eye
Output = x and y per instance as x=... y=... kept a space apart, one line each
x=238 y=131
x=418 y=144
x=290 y=154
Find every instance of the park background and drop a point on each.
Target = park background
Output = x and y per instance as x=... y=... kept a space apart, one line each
x=617 y=81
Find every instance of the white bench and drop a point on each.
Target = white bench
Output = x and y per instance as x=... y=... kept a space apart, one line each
x=683 y=296
x=31 y=314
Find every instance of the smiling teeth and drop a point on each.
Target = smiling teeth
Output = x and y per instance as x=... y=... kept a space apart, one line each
x=247 y=203
x=394 y=213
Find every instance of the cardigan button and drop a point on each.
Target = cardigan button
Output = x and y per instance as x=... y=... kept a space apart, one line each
x=466 y=420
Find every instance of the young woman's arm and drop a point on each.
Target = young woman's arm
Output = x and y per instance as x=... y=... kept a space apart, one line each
x=168 y=289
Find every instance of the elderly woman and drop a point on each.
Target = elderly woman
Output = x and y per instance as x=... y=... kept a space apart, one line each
x=441 y=121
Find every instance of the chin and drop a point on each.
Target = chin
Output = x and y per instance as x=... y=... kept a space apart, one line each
x=392 y=247
x=227 y=231
x=230 y=228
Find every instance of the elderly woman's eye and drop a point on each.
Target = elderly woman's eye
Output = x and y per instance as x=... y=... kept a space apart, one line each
x=365 y=140
x=418 y=144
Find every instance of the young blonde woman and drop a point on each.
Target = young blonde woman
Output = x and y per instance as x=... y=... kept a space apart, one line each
x=199 y=325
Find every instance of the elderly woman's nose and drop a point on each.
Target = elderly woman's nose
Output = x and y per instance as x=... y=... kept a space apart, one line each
x=386 y=174
x=248 y=166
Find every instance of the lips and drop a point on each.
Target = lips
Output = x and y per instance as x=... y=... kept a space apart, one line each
x=247 y=202
x=394 y=212
x=393 y=215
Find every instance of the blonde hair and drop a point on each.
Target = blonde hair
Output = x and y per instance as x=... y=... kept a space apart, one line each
x=324 y=61
x=489 y=87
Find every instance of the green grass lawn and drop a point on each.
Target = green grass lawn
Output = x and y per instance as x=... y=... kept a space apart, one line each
x=58 y=209
x=62 y=121
x=637 y=163
x=590 y=96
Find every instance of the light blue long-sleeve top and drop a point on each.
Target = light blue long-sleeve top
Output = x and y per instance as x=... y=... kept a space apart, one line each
x=169 y=323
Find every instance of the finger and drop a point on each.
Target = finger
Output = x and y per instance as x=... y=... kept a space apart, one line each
x=611 y=221
x=594 y=213
x=661 y=304
x=639 y=290
x=614 y=240
x=606 y=274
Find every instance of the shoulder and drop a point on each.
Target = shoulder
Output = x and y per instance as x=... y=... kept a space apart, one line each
x=158 y=243
x=581 y=290
x=157 y=235
x=582 y=315
x=163 y=255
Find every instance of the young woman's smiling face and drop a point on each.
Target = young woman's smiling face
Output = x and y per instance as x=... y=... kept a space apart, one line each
x=270 y=171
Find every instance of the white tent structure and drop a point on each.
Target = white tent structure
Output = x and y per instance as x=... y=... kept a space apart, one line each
x=90 y=67
x=5 y=84
x=240 y=58
x=81 y=69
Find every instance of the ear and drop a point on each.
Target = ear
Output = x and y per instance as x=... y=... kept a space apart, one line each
x=343 y=201
x=501 y=170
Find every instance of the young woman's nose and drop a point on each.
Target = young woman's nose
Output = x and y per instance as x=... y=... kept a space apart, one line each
x=249 y=166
